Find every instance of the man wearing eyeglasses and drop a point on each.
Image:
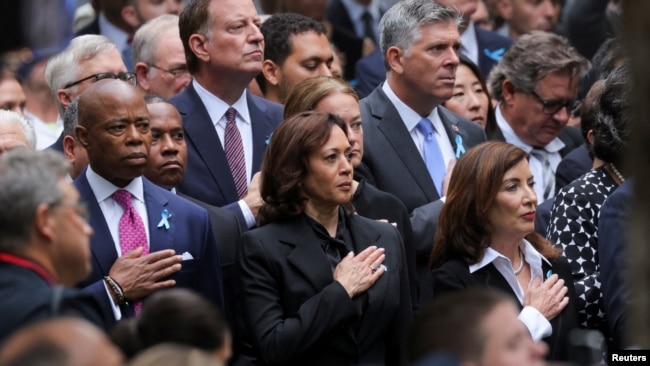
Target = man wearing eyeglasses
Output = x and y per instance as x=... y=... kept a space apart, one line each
x=87 y=59
x=535 y=84
x=159 y=58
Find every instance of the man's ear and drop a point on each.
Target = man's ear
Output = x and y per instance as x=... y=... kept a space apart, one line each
x=198 y=45
x=394 y=58
x=141 y=69
x=43 y=222
x=130 y=16
x=272 y=72
x=63 y=97
x=82 y=136
x=508 y=91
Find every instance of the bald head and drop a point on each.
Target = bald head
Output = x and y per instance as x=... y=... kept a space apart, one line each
x=114 y=130
x=70 y=341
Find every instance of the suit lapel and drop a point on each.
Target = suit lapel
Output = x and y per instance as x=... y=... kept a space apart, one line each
x=307 y=255
x=454 y=132
x=490 y=276
x=102 y=245
x=201 y=133
x=159 y=237
x=392 y=127
x=261 y=123
x=363 y=237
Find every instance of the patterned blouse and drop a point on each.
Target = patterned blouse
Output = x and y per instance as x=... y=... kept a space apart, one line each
x=574 y=227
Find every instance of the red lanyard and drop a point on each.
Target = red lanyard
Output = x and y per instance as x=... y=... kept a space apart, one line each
x=22 y=262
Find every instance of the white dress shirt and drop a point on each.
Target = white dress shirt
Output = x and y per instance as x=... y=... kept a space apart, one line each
x=538 y=326
x=411 y=119
x=46 y=133
x=217 y=111
x=553 y=149
x=113 y=211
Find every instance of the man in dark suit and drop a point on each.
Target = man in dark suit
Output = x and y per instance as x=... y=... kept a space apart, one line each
x=166 y=168
x=614 y=254
x=44 y=242
x=216 y=108
x=534 y=100
x=395 y=154
x=483 y=47
x=131 y=216
x=354 y=29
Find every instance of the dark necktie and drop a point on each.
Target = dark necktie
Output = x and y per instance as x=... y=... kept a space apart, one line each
x=235 y=153
x=368 y=27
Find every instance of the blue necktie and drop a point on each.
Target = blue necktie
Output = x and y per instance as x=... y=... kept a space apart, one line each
x=432 y=154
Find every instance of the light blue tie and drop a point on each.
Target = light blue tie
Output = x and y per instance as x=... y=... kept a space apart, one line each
x=432 y=154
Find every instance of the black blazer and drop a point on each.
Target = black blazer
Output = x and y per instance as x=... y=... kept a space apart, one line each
x=454 y=275
x=296 y=314
x=25 y=297
x=374 y=204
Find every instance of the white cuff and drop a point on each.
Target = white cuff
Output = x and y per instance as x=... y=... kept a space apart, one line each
x=117 y=313
x=536 y=323
x=248 y=214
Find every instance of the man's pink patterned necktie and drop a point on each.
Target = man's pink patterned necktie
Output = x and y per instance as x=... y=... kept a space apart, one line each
x=234 y=149
x=131 y=230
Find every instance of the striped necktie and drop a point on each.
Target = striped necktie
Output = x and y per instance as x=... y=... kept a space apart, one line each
x=234 y=149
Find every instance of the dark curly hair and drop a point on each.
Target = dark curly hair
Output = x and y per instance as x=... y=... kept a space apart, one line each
x=612 y=127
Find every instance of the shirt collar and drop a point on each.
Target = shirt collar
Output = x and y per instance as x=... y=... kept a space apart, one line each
x=104 y=189
x=217 y=108
x=410 y=117
x=511 y=137
x=531 y=255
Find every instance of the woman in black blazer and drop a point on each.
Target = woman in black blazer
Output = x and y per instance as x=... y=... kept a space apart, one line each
x=333 y=95
x=486 y=237
x=319 y=285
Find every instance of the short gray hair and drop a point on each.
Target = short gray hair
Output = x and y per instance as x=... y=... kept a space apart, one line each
x=27 y=179
x=10 y=117
x=148 y=37
x=531 y=58
x=400 y=25
x=71 y=118
x=64 y=68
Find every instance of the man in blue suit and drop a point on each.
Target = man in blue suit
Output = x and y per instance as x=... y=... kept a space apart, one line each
x=114 y=130
x=396 y=155
x=224 y=49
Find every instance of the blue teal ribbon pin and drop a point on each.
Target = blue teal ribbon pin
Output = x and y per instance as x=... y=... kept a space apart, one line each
x=460 y=149
x=496 y=54
x=164 y=219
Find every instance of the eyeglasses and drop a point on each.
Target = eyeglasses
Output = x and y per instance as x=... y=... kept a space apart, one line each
x=553 y=106
x=129 y=77
x=81 y=208
x=177 y=72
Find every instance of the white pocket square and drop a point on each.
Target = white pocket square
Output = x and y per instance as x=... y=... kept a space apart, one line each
x=187 y=256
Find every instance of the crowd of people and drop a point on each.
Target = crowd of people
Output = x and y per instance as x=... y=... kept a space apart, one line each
x=331 y=182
